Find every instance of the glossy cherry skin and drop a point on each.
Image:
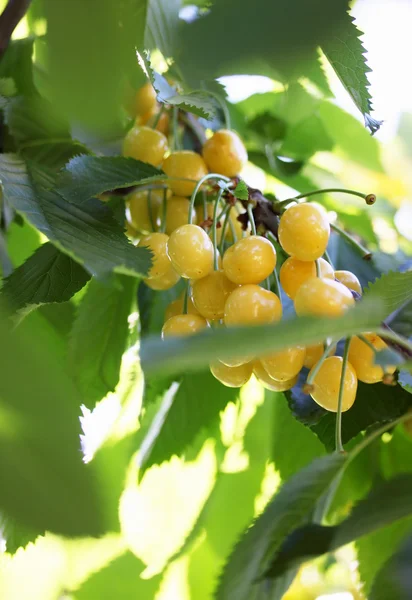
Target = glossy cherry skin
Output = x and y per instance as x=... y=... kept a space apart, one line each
x=304 y=231
x=293 y=273
x=191 y=252
x=249 y=260
x=363 y=358
x=323 y=298
x=327 y=382
x=182 y=325
x=184 y=168
x=231 y=376
x=145 y=144
x=225 y=153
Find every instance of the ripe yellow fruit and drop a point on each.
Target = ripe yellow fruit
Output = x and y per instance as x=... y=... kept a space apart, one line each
x=249 y=260
x=268 y=382
x=184 y=165
x=252 y=305
x=327 y=382
x=304 y=231
x=285 y=364
x=163 y=282
x=182 y=325
x=191 y=252
x=350 y=280
x=231 y=376
x=144 y=209
x=362 y=358
x=130 y=231
x=293 y=273
x=145 y=99
x=146 y=144
x=177 y=213
x=323 y=298
x=176 y=307
x=157 y=243
x=225 y=153
x=314 y=354
x=210 y=293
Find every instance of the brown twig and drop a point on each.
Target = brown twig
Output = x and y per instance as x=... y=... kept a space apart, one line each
x=9 y=19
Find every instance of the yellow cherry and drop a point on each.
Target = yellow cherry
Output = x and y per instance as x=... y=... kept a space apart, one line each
x=326 y=384
x=182 y=325
x=231 y=376
x=210 y=294
x=252 y=305
x=146 y=144
x=177 y=213
x=293 y=273
x=285 y=364
x=349 y=280
x=268 y=382
x=249 y=260
x=363 y=358
x=304 y=231
x=176 y=307
x=184 y=165
x=225 y=153
x=191 y=252
x=157 y=243
x=323 y=297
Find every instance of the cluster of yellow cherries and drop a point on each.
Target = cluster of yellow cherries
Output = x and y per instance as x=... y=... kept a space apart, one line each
x=227 y=291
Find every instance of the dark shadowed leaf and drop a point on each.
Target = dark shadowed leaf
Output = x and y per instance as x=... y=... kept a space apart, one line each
x=375 y=404
x=100 y=336
x=17 y=535
x=346 y=54
x=44 y=483
x=195 y=407
x=289 y=508
x=87 y=176
x=47 y=276
x=395 y=578
x=162 y=25
x=89 y=233
x=17 y=64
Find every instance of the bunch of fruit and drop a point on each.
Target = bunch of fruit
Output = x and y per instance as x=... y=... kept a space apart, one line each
x=235 y=289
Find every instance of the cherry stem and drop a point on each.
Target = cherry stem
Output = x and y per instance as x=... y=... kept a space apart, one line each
x=318 y=268
x=328 y=258
x=324 y=191
x=204 y=200
x=176 y=141
x=214 y=230
x=251 y=219
x=338 y=430
x=277 y=286
x=364 y=252
x=367 y=342
x=150 y=207
x=164 y=211
x=224 y=228
x=318 y=365
x=157 y=117
x=395 y=337
x=186 y=297
x=197 y=188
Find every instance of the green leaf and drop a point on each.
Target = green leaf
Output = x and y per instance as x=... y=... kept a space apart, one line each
x=241 y=191
x=100 y=337
x=16 y=535
x=349 y=135
x=195 y=407
x=375 y=549
x=179 y=355
x=346 y=54
x=86 y=78
x=285 y=37
x=120 y=579
x=162 y=26
x=47 y=276
x=40 y=132
x=88 y=176
x=89 y=233
x=17 y=64
x=394 y=580
x=394 y=289
x=305 y=138
x=198 y=102
x=377 y=510
x=7 y=87
x=375 y=404
x=305 y=446
x=44 y=483
x=289 y=508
